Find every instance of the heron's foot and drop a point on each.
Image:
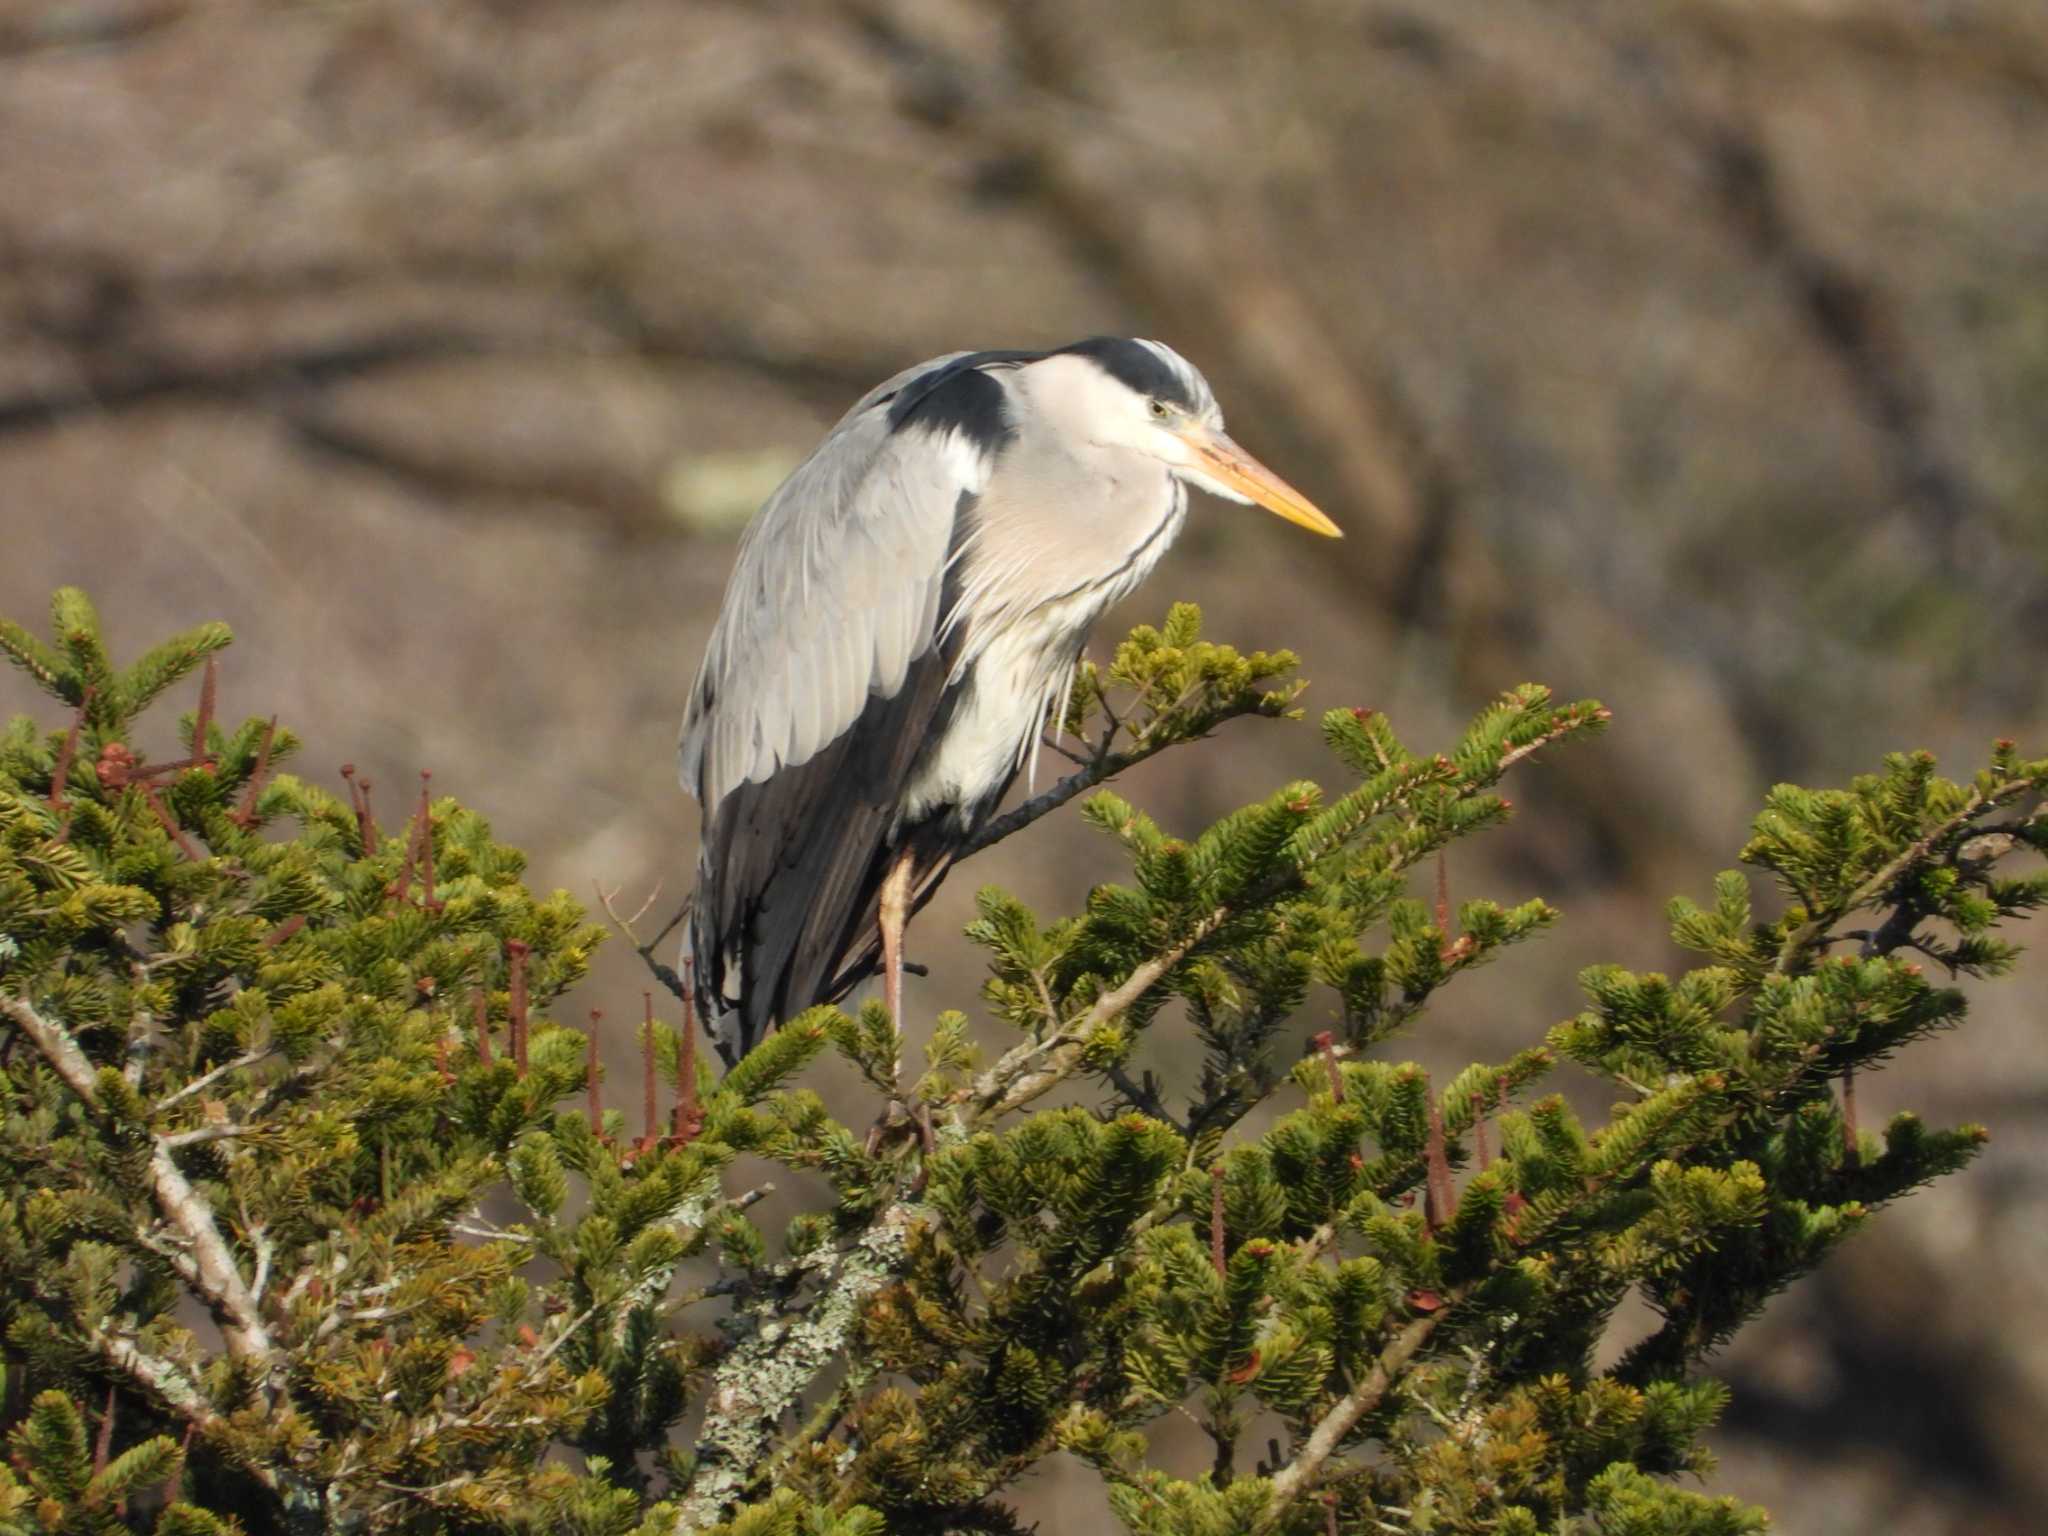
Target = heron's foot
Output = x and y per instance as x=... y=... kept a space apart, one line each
x=891 y=1120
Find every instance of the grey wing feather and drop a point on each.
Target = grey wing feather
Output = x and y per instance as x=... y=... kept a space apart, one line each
x=835 y=592
x=822 y=679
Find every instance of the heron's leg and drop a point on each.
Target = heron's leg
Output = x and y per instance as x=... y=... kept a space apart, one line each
x=892 y=916
x=894 y=907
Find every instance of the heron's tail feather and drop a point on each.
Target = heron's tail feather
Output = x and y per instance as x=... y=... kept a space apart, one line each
x=790 y=866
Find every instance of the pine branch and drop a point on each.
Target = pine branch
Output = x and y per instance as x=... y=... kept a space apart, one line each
x=1034 y=1068
x=58 y=1048
x=1101 y=767
x=1098 y=768
x=1873 y=890
x=1323 y=1442
x=1029 y=1070
x=959 y=1305
x=218 y=1278
x=207 y=1079
x=765 y=1375
x=206 y=1261
x=163 y=1380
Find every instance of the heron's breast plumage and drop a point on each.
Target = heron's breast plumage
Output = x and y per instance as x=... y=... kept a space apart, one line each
x=1028 y=593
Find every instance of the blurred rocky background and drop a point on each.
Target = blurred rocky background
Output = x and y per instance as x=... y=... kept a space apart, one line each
x=1692 y=353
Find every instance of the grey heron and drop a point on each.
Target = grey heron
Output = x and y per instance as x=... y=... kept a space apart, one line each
x=905 y=611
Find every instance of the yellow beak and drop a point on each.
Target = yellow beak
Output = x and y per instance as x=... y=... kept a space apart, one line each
x=1249 y=478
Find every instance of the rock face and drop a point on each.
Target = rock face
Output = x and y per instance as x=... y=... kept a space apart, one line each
x=1693 y=356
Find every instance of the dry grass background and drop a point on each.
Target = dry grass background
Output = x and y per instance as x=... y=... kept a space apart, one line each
x=1693 y=353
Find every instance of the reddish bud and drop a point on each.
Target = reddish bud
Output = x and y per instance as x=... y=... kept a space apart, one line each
x=359 y=801
x=518 y=950
x=1440 y=1195
x=115 y=766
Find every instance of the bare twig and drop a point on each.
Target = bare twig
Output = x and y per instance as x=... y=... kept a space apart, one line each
x=1053 y=744
x=663 y=973
x=178 y=1140
x=206 y=1080
x=1141 y=1094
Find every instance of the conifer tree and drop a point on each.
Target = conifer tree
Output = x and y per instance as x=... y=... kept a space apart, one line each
x=314 y=1219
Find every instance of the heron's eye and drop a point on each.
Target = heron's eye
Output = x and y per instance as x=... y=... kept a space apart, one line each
x=1159 y=409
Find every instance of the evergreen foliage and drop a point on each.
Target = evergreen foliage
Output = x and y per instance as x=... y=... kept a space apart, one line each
x=304 y=1227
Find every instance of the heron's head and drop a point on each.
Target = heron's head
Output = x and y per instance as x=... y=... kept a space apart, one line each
x=1144 y=397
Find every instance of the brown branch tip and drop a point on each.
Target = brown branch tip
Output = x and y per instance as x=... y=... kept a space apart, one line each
x=517 y=950
x=650 y=1109
x=593 y=1071
x=244 y=815
x=689 y=1117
